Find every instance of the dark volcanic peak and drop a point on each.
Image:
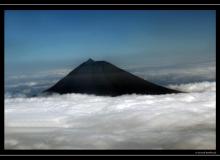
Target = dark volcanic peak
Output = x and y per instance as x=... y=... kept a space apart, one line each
x=89 y=61
x=103 y=78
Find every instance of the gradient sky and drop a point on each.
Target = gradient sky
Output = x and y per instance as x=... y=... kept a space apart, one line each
x=41 y=40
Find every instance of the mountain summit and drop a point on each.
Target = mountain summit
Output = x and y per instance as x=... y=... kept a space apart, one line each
x=103 y=78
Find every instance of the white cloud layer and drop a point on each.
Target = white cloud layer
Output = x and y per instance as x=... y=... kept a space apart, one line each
x=77 y=121
x=195 y=87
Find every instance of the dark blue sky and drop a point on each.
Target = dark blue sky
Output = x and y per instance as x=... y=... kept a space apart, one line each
x=36 y=40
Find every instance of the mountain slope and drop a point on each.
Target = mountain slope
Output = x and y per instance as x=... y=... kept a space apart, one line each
x=103 y=78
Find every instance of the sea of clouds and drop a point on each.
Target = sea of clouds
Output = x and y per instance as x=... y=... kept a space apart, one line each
x=80 y=121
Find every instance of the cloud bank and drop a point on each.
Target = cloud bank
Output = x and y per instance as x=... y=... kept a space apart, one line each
x=77 y=121
x=185 y=73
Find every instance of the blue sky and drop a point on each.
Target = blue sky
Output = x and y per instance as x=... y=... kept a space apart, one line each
x=45 y=40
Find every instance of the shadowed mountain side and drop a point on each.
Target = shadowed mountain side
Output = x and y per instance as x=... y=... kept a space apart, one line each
x=103 y=78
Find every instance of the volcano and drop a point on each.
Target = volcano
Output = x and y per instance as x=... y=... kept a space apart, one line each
x=105 y=79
